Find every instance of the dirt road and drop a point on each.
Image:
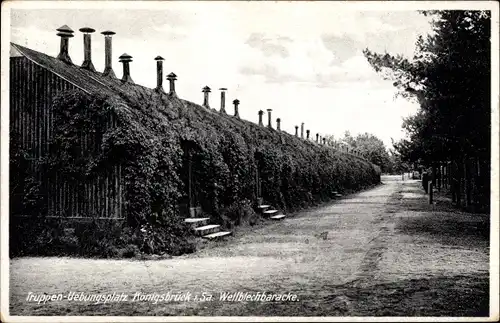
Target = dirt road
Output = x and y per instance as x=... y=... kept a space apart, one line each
x=384 y=251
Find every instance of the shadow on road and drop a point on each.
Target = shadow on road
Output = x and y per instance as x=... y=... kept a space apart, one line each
x=456 y=296
x=459 y=295
x=440 y=221
x=442 y=227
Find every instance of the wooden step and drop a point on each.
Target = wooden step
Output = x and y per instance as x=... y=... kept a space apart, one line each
x=278 y=217
x=263 y=208
x=270 y=212
x=219 y=234
x=197 y=222
x=207 y=229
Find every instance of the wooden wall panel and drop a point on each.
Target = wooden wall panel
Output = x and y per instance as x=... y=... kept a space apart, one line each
x=31 y=94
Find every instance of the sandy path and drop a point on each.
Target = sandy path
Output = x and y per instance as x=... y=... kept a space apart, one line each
x=387 y=253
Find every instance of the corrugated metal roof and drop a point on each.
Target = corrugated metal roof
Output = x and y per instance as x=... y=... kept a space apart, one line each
x=128 y=94
x=88 y=81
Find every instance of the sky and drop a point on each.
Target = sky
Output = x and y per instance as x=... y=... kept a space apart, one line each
x=304 y=60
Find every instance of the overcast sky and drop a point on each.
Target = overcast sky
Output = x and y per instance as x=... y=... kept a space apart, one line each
x=304 y=60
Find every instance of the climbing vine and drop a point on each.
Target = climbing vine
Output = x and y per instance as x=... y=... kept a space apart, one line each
x=144 y=132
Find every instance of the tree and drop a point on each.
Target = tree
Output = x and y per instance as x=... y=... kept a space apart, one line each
x=397 y=164
x=449 y=76
x=348 y=139
x=372 y=148
x=368 y=145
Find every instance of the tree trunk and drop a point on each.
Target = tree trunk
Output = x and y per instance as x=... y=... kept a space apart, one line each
x=467 y=178
x=458 y=182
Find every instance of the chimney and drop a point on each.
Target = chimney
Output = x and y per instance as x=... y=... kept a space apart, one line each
x=269 y=118
x=260 y=117
x=126 y=59
x=65 y=33
x=87 y=48
x=108 y=62
x=302 y=130
x=317 y=137
x=296 y=131
x=205 y=91
x=324 y=141
x=159 y=73
x=307 y=133
x=223 y=99
x=171 y=81
x=236 y=102
x=278 y=124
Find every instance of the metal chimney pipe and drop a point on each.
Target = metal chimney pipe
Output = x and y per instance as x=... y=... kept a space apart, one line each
x=278 y=124
x=236 y=102
x=205 y=91
x=223 y=99
x=126 y=59
x=159 y=73
x=302 y=130
x=324 y=141
x=260 y=118
x=108 y=61
x=307 y=132
x=269 y=118
x=317 y=137
x=65 y=33
x=171 y=80
x=87 y=48
x=296 y=131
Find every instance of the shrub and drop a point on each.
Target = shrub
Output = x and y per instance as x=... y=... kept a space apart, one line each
x=98 y=238
x=148 y=133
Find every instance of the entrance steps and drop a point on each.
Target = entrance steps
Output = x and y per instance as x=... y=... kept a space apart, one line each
x=201 y=225
x=268 y=212
x=207 y=229
x=219 y=234
x=197 y=222
x=277 y=217
x=336 y=194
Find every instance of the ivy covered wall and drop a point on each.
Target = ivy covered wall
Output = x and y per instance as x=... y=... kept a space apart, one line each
x=146 y=137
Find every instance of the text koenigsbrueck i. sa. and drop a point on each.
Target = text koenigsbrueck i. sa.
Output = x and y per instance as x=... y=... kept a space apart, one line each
x=114 y=297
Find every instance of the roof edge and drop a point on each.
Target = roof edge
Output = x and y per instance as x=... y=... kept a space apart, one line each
x=19 y=48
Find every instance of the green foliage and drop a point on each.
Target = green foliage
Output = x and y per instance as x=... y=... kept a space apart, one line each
x=41 y=236
x=371 y=148
x=449 y=75
x=238 y=213
x=152 y=135
x=25 y=193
